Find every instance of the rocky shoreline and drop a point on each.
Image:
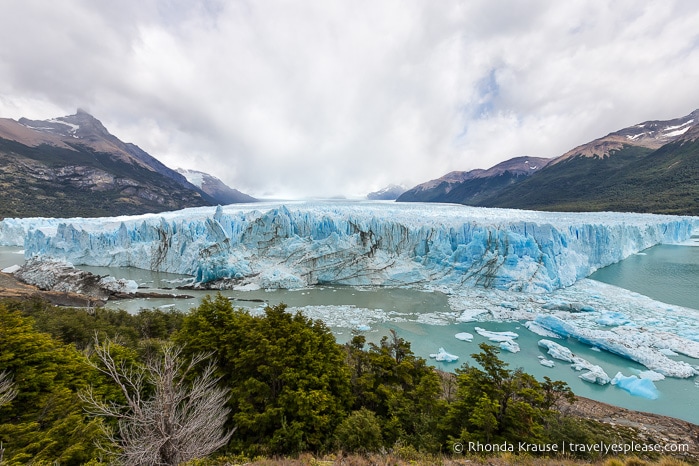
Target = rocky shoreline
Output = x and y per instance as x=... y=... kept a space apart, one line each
x=62 y=284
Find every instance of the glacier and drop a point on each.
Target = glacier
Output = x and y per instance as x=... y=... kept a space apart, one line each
x=494 y=264
x=298 y=244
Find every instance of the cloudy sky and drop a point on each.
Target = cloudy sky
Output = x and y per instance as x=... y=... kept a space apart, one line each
x=328 y=97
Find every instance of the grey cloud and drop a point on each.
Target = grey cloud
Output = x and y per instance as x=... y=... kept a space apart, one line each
x=324 y=98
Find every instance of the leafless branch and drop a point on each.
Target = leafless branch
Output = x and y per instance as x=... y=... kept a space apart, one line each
x=7 y=389
x=177 y=423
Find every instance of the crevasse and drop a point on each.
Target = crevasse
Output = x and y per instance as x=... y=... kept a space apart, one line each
x=355 y=243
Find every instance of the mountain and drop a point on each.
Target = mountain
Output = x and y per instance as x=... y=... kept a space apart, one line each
x=73 y=166
x=215 y=188
x=472 y=186
x=389 y=193
x=649 y=167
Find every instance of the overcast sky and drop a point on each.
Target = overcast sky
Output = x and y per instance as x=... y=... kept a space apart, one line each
x=325 y=97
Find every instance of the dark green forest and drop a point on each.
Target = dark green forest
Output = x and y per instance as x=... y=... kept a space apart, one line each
x=217 y=383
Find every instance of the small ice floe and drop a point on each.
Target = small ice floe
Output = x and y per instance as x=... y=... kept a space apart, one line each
x=546 y=362
x=509 y=345
x=362 y=328
x=496 y=337
x=594 y=374
x=637 y=387
x=443 y=356
x=120 y=285
x=464 y=336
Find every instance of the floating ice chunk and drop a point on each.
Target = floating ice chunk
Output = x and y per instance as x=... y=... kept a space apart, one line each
x=595 y=375
x=11 y=269
x=496 y=336
x=509 y=345
x=276 y=279
x=539 y=330
x=443 y=356
x=632 y=344
x=638 y=387
x=118 y=285
x=557 y=351
x=464 y=336
x=363 y=328
x=546 y=362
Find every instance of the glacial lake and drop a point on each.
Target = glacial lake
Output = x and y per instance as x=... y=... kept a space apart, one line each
x=665 y=273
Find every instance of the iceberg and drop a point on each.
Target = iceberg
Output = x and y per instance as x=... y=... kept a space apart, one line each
x=297 y=244
x=594 y=374
x=443 y=356
x=509 y=345
x=464 y=336
x=546 y=362
x=635 y=386
x=496 y=337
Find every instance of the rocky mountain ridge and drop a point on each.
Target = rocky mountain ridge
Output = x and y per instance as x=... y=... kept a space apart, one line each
x=214 y=187
x=480 y=182
x=648 y=167
x=72 y=166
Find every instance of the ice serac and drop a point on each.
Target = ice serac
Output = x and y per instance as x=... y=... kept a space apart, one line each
x=357 y=243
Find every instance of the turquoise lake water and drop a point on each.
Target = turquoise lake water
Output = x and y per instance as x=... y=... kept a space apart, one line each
x=665 y=273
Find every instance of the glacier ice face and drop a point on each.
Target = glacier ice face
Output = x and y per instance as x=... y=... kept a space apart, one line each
x=355 y=243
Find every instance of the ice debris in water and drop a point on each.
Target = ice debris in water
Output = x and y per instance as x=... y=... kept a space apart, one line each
x=546 y=362
x=496 y=336
x=443 y=356
x=638 y=387
x=509 y=345
x=464 y=336
x=594 y=374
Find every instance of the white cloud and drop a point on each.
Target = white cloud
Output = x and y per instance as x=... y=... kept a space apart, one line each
x=324 y=98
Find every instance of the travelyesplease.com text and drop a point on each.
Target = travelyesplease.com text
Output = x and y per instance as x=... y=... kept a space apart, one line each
x=569 y=447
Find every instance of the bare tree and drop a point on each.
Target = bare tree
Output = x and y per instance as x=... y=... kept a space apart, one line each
x=178 y=422
x=7 y=389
